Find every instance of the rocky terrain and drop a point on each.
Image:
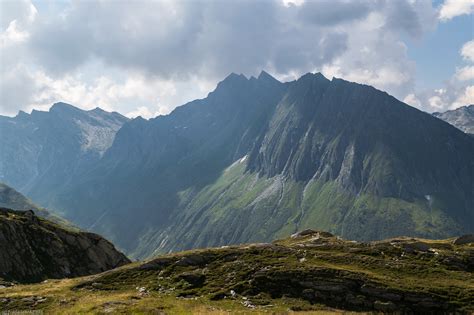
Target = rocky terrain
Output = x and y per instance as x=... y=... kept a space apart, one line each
x=462 y=118
x=310 y=271
x=33 y=249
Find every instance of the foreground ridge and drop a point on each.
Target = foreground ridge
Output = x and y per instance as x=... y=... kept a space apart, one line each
x=33 y=249
x=312 y=270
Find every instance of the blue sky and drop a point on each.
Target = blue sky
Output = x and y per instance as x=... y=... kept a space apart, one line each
x=147 y=57
x=437 y=53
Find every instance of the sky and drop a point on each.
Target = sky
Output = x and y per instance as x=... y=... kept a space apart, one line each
x=144 y=58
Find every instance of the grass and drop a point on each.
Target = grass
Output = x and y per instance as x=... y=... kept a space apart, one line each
x=316 y=273
x=243 y=207
x=62 y=299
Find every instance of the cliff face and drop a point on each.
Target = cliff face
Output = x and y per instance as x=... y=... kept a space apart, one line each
x=33 y=249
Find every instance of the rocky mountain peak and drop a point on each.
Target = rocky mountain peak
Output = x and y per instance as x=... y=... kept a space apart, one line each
x=61 y=107
x=462 y=118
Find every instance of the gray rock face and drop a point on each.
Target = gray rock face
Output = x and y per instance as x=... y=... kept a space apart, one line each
x=462 y=118
x=34 y=249
x=42 y=151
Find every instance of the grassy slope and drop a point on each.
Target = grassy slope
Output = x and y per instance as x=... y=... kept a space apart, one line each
x=303 y=273
x=243 y=207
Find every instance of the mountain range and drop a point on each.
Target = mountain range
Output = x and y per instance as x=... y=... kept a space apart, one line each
x=462 y=118
x=44 y=150
x=255 y=160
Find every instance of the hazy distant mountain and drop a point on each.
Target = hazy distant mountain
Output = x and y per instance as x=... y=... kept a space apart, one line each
x=259 y=159
x=462 y=118
x=42 y=151
x=12 y=199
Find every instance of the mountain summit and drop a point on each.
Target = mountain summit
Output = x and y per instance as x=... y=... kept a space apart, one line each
x=42 y=151
x=259 y=159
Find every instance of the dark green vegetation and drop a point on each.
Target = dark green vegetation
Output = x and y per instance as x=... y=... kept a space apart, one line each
x=33 y=249
x=259 y=159
x=309 y=271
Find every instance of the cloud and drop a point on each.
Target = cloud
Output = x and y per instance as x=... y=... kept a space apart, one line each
x=412 y=100
x=457 y=91
x=142 y=111
x=452 y=8
x=212 y=38
x=159 y=54
x=436 y=102
x=467 y=51
x=329 y=12
x=16 y=87
x=465 y=73
x=176 y=39
x=466 y=98
x=20 y=12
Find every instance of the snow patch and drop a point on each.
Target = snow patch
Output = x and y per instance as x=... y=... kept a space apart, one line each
x=239 y=161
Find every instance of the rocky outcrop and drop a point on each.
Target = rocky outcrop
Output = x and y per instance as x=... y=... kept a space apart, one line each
x=402 y=275
x=33 y=249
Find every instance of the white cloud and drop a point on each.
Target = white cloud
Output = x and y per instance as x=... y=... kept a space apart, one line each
x=465 y=73
x=452 y=8
x=466 y=98
x=13 y=35
x=161 y=54
x=467 y=51
x=457 y=91
x=292 y=2
x=412 y=100
x=143 y=112
x=436 y=102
